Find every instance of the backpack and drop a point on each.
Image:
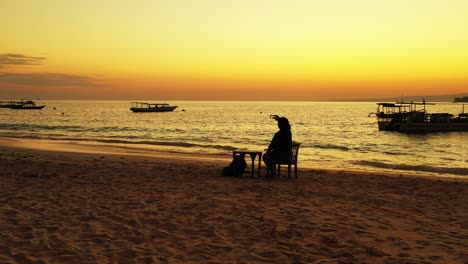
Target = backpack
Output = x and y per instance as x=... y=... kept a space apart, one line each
x=236 y=168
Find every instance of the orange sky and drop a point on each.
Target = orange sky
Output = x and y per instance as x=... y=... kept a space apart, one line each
x=232 y=50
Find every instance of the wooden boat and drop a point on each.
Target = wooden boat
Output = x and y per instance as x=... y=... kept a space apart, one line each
x=139 y=107
x=27 y=105
x=407 y=118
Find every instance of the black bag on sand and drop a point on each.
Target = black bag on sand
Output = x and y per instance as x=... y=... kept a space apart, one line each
x=236 y=168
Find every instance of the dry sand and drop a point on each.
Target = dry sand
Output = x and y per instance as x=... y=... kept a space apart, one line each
x=63 y=207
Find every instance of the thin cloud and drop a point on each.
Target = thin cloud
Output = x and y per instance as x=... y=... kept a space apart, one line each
x=49 y=79
x=8 y=60
x=11 y=59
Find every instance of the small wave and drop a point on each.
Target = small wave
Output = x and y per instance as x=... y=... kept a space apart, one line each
x=13 y=134
x=392 y=153
x=70 y=128
x=329 y=146
x=29 y=127
x=114 y=129
x=421 y=168
x=59 y=137
x=167 y=143
x=147 y=142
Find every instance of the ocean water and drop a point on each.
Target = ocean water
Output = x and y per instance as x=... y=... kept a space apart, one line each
x=334 y=135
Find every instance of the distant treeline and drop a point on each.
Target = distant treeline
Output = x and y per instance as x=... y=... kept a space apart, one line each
x=461 y=99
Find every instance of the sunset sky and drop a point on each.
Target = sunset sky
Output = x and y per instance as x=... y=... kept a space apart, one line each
x=232 y=50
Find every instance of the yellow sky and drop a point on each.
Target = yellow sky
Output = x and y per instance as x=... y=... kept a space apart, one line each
x=242 y=50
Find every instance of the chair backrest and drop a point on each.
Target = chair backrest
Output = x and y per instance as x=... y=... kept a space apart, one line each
x=294 y=152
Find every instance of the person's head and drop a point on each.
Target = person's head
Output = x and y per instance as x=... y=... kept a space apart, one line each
x=283 y=123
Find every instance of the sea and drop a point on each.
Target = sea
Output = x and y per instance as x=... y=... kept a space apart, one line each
x=333 y=135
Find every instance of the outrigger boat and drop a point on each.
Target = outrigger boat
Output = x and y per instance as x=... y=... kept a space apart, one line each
x=28 y=105
x=139 y=107
x=406 y=117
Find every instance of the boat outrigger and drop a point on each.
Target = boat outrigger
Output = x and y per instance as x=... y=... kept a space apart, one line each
x=139 y=107
x=406 y=117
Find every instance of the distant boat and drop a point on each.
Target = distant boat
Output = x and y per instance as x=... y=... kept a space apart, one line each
x=461 y=99
x=27 y=105
x=405 y=117
x=139 y=107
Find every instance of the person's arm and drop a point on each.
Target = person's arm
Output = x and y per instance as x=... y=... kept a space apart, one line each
x=274 y=143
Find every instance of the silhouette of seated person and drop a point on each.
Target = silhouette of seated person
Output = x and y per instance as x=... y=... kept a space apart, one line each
x=279 y=149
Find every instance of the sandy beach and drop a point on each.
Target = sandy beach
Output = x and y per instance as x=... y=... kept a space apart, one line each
x=102 y=206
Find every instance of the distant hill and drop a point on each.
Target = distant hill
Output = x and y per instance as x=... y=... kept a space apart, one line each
x=417 y=98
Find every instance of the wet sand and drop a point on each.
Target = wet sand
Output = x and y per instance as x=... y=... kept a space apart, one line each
x=106 y=206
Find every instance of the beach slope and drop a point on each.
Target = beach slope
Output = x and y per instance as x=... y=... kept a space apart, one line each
x=66 y=207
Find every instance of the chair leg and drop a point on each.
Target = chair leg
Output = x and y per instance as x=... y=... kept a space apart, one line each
x=279 y=170
x=295 y=169
x=289 y=171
